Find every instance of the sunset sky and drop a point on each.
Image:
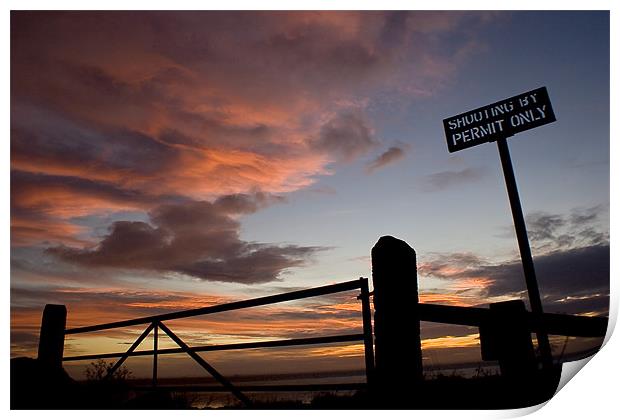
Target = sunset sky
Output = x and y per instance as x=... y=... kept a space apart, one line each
x=170 y=160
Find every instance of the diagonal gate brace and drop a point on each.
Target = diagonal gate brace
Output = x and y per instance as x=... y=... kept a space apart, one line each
x=229 y=386
x=129 y=351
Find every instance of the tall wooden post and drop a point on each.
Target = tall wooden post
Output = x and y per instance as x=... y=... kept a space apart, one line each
x=52 y=336
x=398 y=353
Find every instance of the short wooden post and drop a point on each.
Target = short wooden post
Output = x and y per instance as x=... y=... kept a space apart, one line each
x=52 y=336
x=505 y=336
x=398 y=351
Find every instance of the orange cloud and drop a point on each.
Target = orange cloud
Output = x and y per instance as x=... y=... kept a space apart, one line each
x=149 y=105
x=26 y=231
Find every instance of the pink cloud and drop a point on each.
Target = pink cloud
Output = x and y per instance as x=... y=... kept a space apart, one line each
x=177 y=103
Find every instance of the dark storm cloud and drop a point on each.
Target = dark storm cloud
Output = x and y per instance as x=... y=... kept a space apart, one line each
x=197 y=238
x=570 y=280
x=575 y=271
x=256 y=263
x=390 y=156
x=443 y=180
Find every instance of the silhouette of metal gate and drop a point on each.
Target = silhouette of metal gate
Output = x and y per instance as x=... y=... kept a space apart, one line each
x=156 y=323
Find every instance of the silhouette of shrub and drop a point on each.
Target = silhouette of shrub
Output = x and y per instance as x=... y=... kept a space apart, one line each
x=98 y=371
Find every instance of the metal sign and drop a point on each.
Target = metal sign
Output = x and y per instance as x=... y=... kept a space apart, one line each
x=496 y=122
x=499 y=120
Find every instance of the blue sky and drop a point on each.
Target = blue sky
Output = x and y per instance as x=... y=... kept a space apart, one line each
x=561 y=166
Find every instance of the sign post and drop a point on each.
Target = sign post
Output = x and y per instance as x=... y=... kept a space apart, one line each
x=496 y=122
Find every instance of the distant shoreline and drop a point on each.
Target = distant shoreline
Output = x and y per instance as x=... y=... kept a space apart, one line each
x=338 y=373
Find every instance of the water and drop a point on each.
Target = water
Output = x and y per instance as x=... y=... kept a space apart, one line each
x=199 y=399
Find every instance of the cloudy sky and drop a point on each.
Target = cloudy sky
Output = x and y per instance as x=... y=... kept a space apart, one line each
x=169 y=160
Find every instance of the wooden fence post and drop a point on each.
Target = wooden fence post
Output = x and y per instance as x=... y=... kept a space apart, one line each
x=398 y=353
x=505 y=336
x=52 y=336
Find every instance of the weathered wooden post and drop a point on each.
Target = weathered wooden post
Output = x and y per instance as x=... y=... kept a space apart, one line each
x=52 y=336
x=398 y=353
x=505 y=336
